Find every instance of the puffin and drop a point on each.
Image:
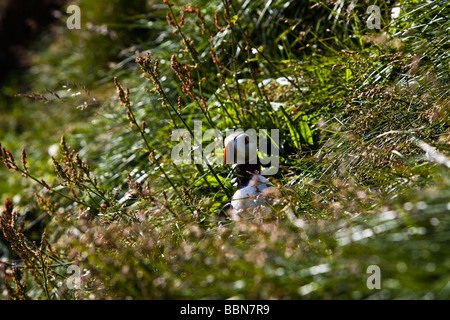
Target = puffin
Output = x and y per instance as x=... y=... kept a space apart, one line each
x=254 y=192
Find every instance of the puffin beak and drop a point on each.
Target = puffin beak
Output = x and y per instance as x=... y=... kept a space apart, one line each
x=229 y=154
x=230 y=149
x=225 y=155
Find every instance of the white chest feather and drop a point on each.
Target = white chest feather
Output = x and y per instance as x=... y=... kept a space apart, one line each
x=252 y=195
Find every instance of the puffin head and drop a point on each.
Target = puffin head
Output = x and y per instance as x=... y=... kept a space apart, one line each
x=240 y=148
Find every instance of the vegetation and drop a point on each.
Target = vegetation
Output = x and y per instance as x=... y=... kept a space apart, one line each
x=364 y=174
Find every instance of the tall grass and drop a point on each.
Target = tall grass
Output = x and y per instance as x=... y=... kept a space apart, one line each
x=359 y=111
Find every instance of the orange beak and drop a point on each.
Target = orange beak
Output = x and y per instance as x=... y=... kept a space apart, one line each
x=225 y=152
x=225 y=155
x=228 y=141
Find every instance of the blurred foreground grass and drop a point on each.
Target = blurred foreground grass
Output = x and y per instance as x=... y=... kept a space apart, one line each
x=363 y=120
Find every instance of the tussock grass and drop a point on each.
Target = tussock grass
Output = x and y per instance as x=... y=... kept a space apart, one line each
x=362 y=116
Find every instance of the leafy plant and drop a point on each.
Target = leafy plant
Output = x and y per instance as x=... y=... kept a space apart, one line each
x=363 y=118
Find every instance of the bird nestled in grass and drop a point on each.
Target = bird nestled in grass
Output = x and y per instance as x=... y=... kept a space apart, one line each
x=255 y=193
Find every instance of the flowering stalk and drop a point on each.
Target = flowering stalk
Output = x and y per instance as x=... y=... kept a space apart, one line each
x=125 y=100
x=7 y=158
x=209 y=35
x=34 y=258
x=77 y=173
x=151 y=70
x=183 y=73
x=178 y=27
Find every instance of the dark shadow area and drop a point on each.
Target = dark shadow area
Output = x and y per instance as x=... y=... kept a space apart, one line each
x=22 y=21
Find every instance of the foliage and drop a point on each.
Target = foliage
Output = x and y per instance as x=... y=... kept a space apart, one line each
x=364 y=179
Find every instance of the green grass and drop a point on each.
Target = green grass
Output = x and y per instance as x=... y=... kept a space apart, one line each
x=358 y=111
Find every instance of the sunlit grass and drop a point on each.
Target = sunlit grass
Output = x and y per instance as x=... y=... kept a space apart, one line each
x=355 y=107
